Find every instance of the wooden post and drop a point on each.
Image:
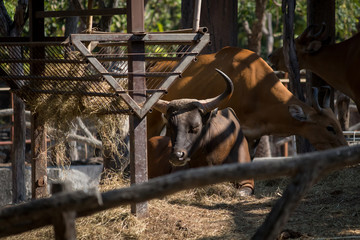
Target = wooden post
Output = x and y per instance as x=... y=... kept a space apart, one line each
x=18 y=138
x=38 y=135
x=136 y=68
x=64 y=221
x=39 y=158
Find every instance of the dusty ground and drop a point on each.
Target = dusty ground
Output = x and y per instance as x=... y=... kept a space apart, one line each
x=331 y=210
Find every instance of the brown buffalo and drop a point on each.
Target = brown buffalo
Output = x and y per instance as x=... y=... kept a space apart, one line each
x=262 y=103
x=200 y=135
x=337 y=63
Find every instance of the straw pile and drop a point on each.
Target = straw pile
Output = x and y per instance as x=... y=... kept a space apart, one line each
x=215 y=212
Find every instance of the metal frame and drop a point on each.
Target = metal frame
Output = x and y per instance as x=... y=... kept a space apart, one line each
x=79 y=41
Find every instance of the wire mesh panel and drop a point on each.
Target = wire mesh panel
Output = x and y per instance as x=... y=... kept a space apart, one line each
x=92 y=69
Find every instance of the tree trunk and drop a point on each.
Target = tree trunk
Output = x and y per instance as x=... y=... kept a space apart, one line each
x=343 y=110
x=71 y=22
x=106 y=21
x=220 y=17
x=254 y=39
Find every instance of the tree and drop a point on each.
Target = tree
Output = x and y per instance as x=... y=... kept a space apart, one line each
x=220 y=17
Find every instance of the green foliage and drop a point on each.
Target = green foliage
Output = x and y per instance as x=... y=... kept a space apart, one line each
x=347 y=17
x=55 y=26
x=10 y=6
x=162 y=15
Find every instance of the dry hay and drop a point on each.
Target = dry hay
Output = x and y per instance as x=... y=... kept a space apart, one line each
x=331 y=210
x=58 y=112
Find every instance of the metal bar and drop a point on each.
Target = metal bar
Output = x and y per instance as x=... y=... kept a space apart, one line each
x=186 y=30
x=183 y=64
x=105 y=59
x=47 y=60
x=138 y=134
x=14 y=39
x=32 y=43
x=100 y=68
x=81 y=13
x=94 y=78
x=38 y=133
x=89 y=94
x=148 y=38
x=196 y=21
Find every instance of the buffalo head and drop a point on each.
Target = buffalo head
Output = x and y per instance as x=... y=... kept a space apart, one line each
x=187 y=120
x=308 y=43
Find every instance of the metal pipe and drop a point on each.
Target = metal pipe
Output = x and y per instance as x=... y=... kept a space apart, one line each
x=196 y=21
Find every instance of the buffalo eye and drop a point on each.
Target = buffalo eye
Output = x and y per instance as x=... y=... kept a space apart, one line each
x=331 y=129
x=194 y=130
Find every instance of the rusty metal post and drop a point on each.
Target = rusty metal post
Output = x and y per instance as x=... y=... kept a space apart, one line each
x=38 y=135
x=137 y=83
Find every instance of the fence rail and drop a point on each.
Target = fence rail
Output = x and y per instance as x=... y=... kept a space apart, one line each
x=39 y=213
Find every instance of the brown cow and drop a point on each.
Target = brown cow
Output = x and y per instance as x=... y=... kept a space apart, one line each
x=261 y=102
x=200 y=135
x=337 y=63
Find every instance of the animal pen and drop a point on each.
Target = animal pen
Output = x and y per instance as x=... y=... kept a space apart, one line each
x=124 y=74
x=106 y=73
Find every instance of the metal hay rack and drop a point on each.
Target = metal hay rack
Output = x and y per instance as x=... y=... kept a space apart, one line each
x=93 y=68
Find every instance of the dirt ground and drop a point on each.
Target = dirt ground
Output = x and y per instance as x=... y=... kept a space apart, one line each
x=331 y=210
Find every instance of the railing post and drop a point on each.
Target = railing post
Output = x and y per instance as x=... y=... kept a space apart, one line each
x=64 y=222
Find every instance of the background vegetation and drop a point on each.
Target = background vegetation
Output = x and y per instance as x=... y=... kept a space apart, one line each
x=164 y=15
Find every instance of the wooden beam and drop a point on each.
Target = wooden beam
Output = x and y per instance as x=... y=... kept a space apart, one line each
x=18 y=150
x=64 y=221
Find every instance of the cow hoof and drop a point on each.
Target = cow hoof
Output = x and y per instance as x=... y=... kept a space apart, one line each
x=245 y=192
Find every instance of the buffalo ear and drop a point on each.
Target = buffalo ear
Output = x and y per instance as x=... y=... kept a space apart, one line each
x=313 y=47
x=209 y=115
x=297 y=113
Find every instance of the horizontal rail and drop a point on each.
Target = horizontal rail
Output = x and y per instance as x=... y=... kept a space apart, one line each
x=93 y=78
x=286 y=80
x=45 y=43
x=352 y=136
x=81 y=13
x=147 y=38
x=44 y=60
x=27 y=39
x=5 y=143
x=38 y=213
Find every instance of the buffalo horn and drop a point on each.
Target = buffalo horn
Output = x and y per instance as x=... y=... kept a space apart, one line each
x=306 y=34
x=315 y=100
x=212 y=103
x=326 y=102
x=320 y=34
x=161 y=105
